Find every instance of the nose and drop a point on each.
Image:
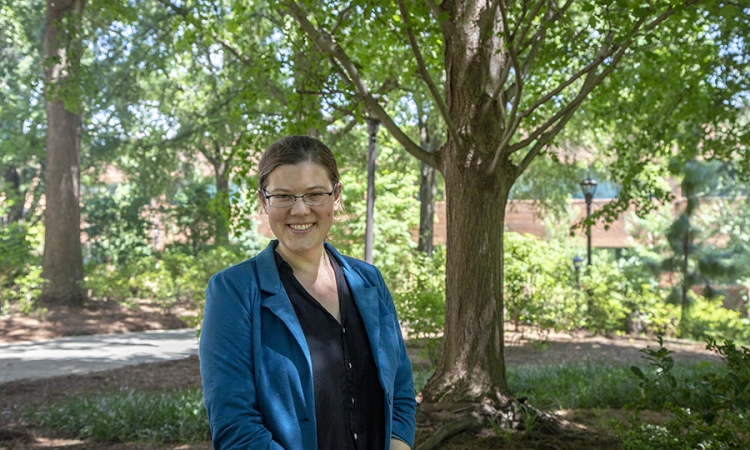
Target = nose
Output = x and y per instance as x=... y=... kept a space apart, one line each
x=299 y=208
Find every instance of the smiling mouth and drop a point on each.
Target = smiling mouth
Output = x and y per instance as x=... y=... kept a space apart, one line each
x=301 y=226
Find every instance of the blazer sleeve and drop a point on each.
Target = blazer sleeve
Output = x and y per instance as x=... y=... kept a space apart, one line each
x=226 y=363
x=404 y=421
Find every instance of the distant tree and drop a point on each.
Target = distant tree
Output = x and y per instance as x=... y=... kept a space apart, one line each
x=22 y=116
x=691 y=252
x=63 y=260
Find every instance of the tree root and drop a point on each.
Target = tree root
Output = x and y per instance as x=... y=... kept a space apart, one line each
x=449 y=430
x=512 y=414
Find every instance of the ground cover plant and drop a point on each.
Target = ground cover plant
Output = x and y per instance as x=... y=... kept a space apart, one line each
x=709 y=412
x=130 y=416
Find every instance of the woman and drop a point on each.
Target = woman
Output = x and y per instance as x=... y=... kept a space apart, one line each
x=300 y=346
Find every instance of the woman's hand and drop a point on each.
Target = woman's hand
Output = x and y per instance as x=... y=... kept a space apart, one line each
x=399 y=445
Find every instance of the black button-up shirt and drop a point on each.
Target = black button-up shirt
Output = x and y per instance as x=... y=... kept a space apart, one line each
x=349 y=408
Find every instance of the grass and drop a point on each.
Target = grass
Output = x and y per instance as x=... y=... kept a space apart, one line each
x=576 y=385
x=181 y=416
x=130 y=417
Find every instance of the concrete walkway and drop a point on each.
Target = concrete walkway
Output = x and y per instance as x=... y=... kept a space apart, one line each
x=82 y=354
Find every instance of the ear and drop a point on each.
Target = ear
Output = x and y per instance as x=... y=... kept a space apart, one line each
x=337 y=196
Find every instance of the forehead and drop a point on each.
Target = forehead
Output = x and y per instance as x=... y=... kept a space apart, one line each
x=306 y=175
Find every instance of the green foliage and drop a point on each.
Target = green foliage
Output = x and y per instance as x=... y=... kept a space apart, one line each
x=420 y=298
x=164 y=278
x=622 y=296
x=20 y=267
x=539 y=285
x=22 y=111
x=710 y=320
x=708 y=412
x=130 y=416
x=610 y=296
x=117 y=227
x=196 y=214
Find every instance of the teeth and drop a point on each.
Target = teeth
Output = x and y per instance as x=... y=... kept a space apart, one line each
x=301 y=227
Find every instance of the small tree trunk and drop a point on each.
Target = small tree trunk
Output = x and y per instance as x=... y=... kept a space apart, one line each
x=427 y=188
x=685 y=305
x=62 y=261
x=222 y=202
x=13 y=187
x=372 y=129
x=427 y=191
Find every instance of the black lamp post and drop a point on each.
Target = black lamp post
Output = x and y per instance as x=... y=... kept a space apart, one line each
x=577 y=260
x=588 y=186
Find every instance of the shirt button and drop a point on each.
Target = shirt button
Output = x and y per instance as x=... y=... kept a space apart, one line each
x=344 y=328
x=352 y=400
x=355 y=435
x=350 y=365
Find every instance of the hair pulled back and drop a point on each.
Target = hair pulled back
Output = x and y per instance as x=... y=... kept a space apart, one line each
x=293 y=150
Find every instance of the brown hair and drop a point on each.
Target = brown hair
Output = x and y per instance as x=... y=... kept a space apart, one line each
x=293 y=150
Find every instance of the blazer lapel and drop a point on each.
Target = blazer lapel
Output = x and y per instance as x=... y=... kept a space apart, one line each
x=368 y=303
x=275 y=299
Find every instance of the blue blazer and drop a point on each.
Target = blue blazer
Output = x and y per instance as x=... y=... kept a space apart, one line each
x=256 y=367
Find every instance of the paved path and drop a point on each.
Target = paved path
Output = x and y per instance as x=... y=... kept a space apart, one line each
x=82 y=354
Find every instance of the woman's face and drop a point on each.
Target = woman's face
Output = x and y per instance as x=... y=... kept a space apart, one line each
x=300 y=228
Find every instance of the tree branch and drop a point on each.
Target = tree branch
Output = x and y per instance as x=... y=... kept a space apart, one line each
x=341 y=17
x=591 y=66
x=567 y=113
x=326 y=44
x=532 y=16
x=434 y=9
x=426 y=75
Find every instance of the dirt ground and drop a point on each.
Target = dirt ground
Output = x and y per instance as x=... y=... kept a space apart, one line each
x=584 y=429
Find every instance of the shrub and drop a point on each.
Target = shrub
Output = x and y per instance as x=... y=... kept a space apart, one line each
x=116 y=228
x=164 y=278
x=20 y=267
x=709 y=412
x=709 y=319
x=538 y=284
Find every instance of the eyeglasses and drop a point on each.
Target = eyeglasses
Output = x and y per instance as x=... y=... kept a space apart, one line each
x=311 y=199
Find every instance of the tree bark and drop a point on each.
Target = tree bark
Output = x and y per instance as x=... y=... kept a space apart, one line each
x=471 y=367
x=62 y=262
x=427 y=188
x=427 y=192
x=372 y=130
x=221 y=173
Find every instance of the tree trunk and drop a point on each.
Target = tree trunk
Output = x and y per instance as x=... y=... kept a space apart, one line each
x=62 y=261
x=14 y=193
x=686 y=278
x=221 y=173
x=427 y=191
x=427 y=188
x=372 y=131
x=471 y=367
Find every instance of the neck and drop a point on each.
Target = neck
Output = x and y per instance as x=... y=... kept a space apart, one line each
x=309 y=264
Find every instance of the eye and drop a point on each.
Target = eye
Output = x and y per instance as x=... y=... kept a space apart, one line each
x=316 y=196
x=283 y=197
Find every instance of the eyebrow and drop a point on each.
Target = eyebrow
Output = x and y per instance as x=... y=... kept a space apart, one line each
x=311 y=188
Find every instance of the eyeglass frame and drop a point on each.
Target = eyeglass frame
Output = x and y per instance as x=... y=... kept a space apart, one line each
x=304 y=200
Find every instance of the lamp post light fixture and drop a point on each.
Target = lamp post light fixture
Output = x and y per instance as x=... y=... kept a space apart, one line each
x=588 y=186
x=577 y=260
